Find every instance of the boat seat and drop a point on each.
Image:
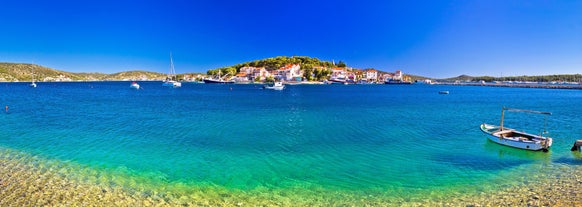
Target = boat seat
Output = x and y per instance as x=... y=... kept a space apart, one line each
x=502 y=132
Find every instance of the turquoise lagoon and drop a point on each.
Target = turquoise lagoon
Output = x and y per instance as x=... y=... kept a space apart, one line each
x=384 y=142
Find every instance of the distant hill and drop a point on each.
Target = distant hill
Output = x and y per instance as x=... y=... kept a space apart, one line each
x=15 y=72
x=135 y=75
x=22 y=72
x=539 y=78
x=416 y=77
x=460 y=78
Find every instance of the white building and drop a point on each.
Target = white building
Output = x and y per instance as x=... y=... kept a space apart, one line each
x=371 y=75
x=398 y=75
x=290 y=72
x=338 y=73
x=252 y=73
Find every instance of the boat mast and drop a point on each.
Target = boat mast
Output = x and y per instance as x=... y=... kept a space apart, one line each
x=172 y=72
x=502 y=115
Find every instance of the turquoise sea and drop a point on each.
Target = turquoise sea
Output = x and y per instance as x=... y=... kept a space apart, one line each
x=307 y=141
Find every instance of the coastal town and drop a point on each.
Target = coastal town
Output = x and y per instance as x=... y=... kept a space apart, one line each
x=292 y=73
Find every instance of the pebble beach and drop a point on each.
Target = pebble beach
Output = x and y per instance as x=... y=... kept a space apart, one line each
x=26 y=180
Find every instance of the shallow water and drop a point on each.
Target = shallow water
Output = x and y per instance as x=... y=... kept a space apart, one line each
x=317 y=143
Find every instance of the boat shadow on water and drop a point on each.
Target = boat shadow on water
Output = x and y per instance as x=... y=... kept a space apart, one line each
x=504 y=152
x=500 y=158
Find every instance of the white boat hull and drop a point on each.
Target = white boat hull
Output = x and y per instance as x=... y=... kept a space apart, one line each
x=134 y=86
x=277 y=86
x=172 y=84
x=516 y=139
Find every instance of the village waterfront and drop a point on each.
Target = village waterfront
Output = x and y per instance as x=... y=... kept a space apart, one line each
x=240 y=145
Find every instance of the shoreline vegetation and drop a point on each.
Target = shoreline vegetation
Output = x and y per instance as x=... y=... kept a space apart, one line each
x=27 y=180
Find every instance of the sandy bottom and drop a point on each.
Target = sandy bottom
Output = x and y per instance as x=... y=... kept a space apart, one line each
x=27 y=180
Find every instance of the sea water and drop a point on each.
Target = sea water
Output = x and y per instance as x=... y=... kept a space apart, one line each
x=323 y=142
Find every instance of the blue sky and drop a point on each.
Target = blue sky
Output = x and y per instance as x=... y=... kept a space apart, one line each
x=430 y=38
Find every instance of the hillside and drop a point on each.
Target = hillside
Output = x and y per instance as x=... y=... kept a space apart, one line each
x=539 y=78
x=15 y=72
x=134 y=75
x=275 y=63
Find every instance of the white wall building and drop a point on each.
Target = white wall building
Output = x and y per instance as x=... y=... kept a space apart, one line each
x=290 y=72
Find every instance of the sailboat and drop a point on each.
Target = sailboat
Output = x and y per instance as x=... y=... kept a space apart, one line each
x=513 y=138
x=218 y=79
x=32 y=84
x=170 y=80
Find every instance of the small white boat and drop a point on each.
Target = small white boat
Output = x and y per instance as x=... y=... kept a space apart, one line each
x=513 y=138
x=32 y=84
x=171 y=84
x=134 y=85
x=170 y=80
x=276 y=86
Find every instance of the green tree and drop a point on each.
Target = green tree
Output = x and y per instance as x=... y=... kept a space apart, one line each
x=307 y=72
x=341 y=64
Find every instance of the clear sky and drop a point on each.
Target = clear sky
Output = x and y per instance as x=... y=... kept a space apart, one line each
x=431 y=38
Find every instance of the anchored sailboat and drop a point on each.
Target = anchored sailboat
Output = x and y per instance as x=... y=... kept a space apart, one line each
x=171 y=79
x=513 y=138
x=32 y=84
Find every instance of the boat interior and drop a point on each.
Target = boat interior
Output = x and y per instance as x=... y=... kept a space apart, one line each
x=517 y=136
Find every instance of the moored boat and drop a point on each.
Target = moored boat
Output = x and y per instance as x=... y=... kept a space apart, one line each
x=32 y=84
x=513 y=138
x=170 y=81
x=398 y=82
x=218 y=80
x=276 y=86
x=134 y=85
x=338 y=81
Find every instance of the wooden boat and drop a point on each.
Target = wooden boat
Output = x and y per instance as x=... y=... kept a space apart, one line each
x=513 y=138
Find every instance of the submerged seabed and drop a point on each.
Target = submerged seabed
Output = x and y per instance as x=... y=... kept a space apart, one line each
x=27 y=180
